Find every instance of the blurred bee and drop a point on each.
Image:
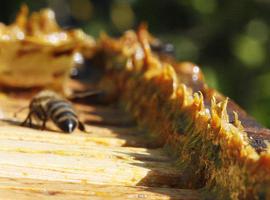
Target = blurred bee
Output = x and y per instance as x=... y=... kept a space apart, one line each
x=47 y=105
x=162 y=48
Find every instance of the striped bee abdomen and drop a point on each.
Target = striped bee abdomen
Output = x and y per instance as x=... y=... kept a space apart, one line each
x=62 y=114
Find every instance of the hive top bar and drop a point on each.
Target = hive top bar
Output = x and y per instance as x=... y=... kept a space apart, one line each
x=128 y=47
x=218 y=146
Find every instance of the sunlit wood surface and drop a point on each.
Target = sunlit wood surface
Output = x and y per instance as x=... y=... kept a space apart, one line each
x=115 y=160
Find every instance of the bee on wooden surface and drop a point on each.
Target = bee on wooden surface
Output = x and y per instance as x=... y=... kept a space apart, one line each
x=47 y=105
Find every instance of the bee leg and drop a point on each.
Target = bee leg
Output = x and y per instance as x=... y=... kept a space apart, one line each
x=43 y=124
x=28 y=120
x=45 y=118
x=81 y=126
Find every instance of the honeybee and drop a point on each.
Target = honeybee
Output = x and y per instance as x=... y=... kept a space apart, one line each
x=47 y=105
x=163 y=48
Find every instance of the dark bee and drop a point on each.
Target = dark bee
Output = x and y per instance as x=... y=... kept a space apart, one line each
x=163 y=48
x=47 y=105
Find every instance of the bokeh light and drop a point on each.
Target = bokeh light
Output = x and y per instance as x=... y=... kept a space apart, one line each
x=250 y=51
x=81 y=9
x=122 y=15
x=258 y=29
x=204 y=7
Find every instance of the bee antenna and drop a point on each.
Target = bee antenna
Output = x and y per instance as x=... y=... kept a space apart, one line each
x=19 y=110
x=84 y=94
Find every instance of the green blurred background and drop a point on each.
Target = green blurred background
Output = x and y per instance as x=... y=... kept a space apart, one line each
x=228 y=39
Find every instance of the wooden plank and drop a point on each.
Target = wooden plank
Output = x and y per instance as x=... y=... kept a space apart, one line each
x=96 y=164
x=113 y=161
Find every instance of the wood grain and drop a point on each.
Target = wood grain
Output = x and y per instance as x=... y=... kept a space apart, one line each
x=33 y=189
